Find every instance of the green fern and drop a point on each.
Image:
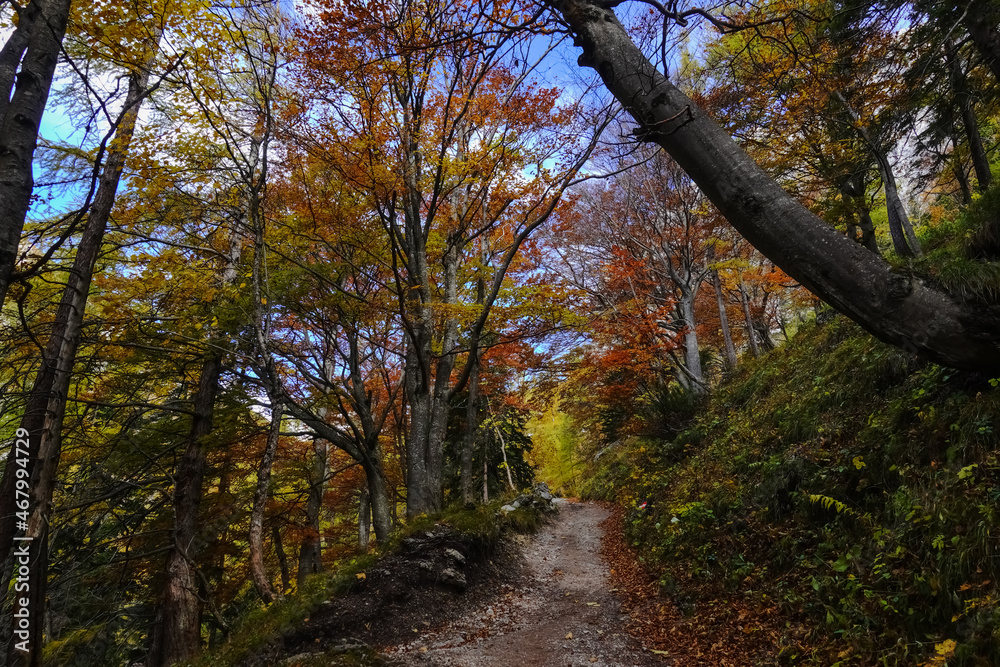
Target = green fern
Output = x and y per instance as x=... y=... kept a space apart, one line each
x=832 y=503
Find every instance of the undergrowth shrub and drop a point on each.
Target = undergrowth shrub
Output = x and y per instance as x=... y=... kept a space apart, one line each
x=841 y=480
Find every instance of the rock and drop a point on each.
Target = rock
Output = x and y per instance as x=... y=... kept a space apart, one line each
x=300 y=657
x=452 y=577
x=455 y=556
x=348 y=644
x=507 y=508
x=542 y=491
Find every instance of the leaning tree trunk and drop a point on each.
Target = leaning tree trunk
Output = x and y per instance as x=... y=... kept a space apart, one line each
x=176 y=632
x=903 y=239
x=39 y=42
x=898 y=308
x=963 y=98
x=46 y=406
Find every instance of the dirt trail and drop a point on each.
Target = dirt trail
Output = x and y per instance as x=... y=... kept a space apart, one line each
x=563 y=614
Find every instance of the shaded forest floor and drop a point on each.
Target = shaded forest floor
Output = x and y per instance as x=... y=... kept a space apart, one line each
x=731 y=633
x=554 y=598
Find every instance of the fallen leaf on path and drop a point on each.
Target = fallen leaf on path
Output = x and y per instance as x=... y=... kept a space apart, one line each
x=569 y=635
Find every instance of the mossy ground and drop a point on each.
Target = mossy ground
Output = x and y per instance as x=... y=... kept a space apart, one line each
x=840 y=481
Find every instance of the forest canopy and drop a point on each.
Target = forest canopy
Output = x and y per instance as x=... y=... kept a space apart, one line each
x=278 y=278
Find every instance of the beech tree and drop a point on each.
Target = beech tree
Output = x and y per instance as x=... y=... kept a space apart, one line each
x=27 y=64
x=901 y=309
x=451 y=141
x=45 y=409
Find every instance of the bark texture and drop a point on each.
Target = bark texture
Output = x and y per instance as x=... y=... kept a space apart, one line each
x=45 y=410
x=310 y=561
x=727 y=336
x=176 y=632
x=38 y=40
x=900 y=309
x=263 y=491
x=963 y=99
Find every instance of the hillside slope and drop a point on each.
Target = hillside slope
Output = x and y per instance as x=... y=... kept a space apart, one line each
x=839 y=487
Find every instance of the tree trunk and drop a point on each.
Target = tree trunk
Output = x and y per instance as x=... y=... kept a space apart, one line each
x=903 y=240
x=258 y=571
x=364 y=519
x=692 y=355
x=39 y=42
x=176 y=631
x=472 y=407
x=378 y=496
x=486 y=480
x=963 y=98
x=471 y=429
x=852 y=190
x=727 y=337
x=900 y=309
x=310 y=556
x=279 y=551
x=503 y=455
x=46 y=405
x=764 y=339
x=748 y=322
x=866 y=226
x=963 y=179
x=418 y=394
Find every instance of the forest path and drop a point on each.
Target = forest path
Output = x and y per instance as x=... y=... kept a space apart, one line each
x=563 y=614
